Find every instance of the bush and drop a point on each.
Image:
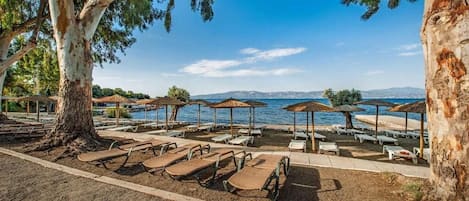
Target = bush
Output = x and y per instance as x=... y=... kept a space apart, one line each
x=123 y=113
x=14 y=107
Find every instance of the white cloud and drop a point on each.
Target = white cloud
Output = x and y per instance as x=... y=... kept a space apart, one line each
x=249 y=50
x=408 y=54
x=224 y=68
x=374 y=72
x=409 y=47
x=171 y=75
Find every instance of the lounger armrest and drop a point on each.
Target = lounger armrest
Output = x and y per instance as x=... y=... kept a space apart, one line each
x=113 y=143
x=165 y=147
x=193 y=149
x=223 y=154
x=207 y=147
x=242 y=161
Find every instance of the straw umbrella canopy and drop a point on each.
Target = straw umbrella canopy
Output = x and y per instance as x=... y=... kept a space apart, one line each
x=252 y=116
x=199 y=102
x=231 y=103
x=309 y=106
x=348 y=108
x=415 y=107
x=37 y=99
x=166 y=101
x=117 y=99
x=376 y=103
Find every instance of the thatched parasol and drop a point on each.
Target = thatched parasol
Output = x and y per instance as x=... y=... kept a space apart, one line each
x=252 y=117
x=166 y=101
x=231 y=103
x=117 y=99
x=37 y=99
x=415 y=107
x=376 y=103
x=348 y=109
x=144 y=102
x=309 y=106
x=199 y=102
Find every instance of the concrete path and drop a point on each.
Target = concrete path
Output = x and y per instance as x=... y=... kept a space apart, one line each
x=298 y=158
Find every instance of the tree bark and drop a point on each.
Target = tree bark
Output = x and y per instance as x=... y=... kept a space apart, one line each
x=445 y=38
x=174 y=112
x=348 y=120
x=74 y=125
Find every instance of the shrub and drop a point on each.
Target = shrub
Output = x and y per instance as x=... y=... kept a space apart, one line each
x=110 y=113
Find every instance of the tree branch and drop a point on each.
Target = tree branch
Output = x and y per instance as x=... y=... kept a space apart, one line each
x=91 y=14
x=15 y=57
x=62 y=16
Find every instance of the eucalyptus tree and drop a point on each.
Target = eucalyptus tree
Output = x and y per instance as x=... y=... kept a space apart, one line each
x=445 y=39
x=88 y=32
x=180 y=94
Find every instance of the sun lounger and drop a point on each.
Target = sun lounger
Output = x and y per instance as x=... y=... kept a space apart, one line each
x=385 y=139
x=172 y=156
x=242 y=140
x=153 y=125
x=394 y=134
x=362 y=138
x=318 y=136
x=341 y=131
x=180 y=134
x=207 y=162
x=205 y=128
x=222 y=138
x=329 y=147
x=426 y=153
x=124 y=128
x=258 y=174
x=356 y=131
x=304 y=136
x=191 y=128
x=105 y=127
x=413 y=135
x=102 y=157
x=297 y=145
x=159 y=132
x=399 y=152
x=253 y=131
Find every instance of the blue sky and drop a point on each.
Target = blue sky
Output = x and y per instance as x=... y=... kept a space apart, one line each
x=273 y=45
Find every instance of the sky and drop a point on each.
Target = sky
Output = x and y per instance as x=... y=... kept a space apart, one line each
x=274 y=45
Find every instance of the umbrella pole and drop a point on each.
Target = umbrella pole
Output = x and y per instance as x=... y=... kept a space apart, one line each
x=157 y=108
x=166 y=111
x=307 y=123
x=421 y=135
x=231 y=120
x=376 y=124
x=215 y=117
x=250 y=115
x=254 y=117
x=313 y=140
x=117 y=114
x=37 y=110
x=294 y=122
x=145 y=109
x=27 y=108
x=6 y=108
x=405 y=131
x=198 y=117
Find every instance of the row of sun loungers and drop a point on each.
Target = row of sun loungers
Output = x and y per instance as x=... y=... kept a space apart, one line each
x=182 y=163
x=399 y=152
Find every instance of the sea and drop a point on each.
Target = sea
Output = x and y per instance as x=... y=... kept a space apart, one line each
x=272 y=113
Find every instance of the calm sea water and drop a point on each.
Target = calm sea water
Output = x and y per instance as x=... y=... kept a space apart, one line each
x=273 y=113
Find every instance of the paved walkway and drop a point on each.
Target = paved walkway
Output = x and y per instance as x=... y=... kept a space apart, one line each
x=298 y=158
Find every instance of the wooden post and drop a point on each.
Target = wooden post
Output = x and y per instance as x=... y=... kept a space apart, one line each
x=6 y=108
x=166 y=111
x=313 y=141
x=421 y=135
x=198 y=116
x=27 y=108
x=215 y=117
x=406 y=113
x=250 y=120
x=376 y=125
x=231 y=120
x=307 y=123
x=157 y=108
x=145 y=111
x=254 y=117
x=37 y=111
x=294 y=122
x=117 y=113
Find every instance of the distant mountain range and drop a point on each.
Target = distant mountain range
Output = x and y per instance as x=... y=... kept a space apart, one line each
x=402 y=92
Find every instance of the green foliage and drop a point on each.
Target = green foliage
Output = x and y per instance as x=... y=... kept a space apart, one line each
x=111 y=113
x=179 y=93
x=343 y=97
x=101 y=92
x=414 y=189
x=372 y=5
x=14 y=13
x=35 y=73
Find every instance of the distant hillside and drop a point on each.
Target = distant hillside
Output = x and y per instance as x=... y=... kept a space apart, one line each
x=404 y=92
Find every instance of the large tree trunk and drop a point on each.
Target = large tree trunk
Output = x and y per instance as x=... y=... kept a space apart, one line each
x=445 y=38
x=174 y=112
x=74 y=126
x=4 y=45
x=348 y=120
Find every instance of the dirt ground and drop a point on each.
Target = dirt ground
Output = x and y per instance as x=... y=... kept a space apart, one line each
x=303 y=183
x=24 y=180
x=276 y=140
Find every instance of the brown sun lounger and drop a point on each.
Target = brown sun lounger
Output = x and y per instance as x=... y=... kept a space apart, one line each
x=208 y=162
x=169 y=157
x=102 y=157
x=258 y=174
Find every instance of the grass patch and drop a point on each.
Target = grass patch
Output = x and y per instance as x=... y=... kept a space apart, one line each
x=413 y=189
